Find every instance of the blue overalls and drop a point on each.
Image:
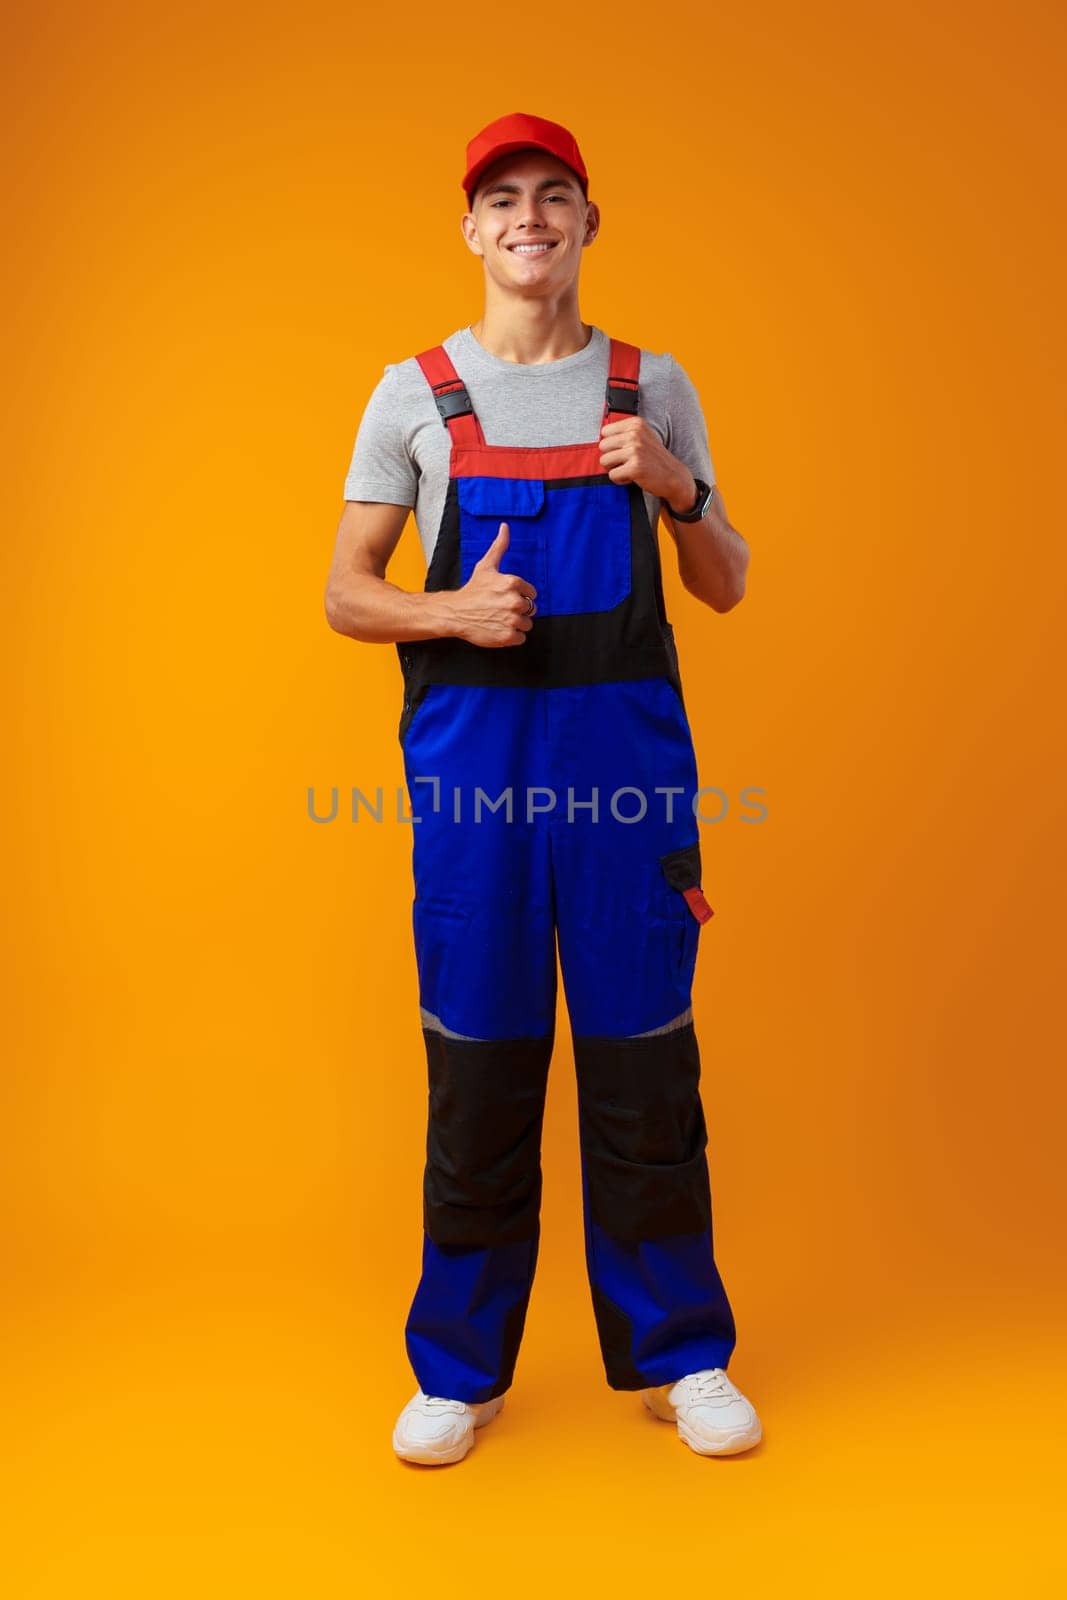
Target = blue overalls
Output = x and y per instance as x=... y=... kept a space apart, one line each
x=554 y=782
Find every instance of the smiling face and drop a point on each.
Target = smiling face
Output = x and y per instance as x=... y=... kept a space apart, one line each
x=530 y=222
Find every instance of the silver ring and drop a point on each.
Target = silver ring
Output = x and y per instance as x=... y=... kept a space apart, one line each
x=530 y=605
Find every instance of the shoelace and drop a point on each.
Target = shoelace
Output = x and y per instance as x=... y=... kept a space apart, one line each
x=706 y=1385
x=435 y=1402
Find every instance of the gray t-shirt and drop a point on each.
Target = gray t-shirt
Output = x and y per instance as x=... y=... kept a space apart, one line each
x=402 y=447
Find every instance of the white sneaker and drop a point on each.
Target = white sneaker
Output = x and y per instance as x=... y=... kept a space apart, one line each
x=436 y=1431
x=712 y=1414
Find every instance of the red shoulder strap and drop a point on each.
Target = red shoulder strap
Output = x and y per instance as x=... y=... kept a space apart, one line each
x=450 y=396
x=454 y=403
x=624 y=365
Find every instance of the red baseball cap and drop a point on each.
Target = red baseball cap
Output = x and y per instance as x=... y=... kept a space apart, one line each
x=520 y=131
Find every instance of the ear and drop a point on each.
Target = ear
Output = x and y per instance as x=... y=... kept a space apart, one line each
x=469 y=230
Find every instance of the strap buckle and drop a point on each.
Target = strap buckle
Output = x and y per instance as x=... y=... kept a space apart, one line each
x=453 y=403
x=622 y=398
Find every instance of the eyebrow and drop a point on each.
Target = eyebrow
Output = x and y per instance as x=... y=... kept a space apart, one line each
x=514 y=188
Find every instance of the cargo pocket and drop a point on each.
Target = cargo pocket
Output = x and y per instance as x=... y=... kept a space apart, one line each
x=681 y=869
x=484 y=503
x=587 y=538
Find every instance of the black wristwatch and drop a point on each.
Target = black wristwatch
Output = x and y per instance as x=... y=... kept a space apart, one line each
x=700 y=509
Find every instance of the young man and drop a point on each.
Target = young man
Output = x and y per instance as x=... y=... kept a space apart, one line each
x=549 y=761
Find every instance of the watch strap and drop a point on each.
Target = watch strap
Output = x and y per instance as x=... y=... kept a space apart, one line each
x=699 y=509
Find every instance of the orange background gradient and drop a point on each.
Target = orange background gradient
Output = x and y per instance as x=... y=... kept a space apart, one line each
x=847 y=224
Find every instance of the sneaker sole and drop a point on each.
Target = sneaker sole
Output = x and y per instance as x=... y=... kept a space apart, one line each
x=729 y=1445
x=424 y=1456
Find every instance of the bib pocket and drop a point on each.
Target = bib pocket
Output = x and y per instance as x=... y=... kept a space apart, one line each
x=572 y=542
x=588 y=547
x=484 y=503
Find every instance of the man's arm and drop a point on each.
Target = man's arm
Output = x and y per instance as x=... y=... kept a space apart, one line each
x=359 y=600
x=490 y=609
x=712 y=556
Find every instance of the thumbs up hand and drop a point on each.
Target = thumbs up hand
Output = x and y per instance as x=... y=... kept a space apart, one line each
x=496 y=549
x=493 y=608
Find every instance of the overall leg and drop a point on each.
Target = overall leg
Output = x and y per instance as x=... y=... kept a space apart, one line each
x=628 y=944
x=485 y=950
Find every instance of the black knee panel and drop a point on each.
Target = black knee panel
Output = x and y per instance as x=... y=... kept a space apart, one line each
x=643 y=1134
x=482 y=1181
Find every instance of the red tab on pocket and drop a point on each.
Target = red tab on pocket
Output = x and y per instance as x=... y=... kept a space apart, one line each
x=697 y=904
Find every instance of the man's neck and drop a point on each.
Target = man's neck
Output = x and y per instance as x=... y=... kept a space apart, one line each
x=531 y=334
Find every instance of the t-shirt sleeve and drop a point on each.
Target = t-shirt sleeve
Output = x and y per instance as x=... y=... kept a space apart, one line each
x=687 y=433
x=382 y=467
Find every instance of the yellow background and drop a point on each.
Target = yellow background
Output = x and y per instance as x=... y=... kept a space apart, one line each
x=846 y=223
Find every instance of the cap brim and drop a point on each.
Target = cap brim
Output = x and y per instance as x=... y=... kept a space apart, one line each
x=474 y=176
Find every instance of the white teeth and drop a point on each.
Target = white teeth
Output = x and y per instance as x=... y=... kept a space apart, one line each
x=530 y=249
